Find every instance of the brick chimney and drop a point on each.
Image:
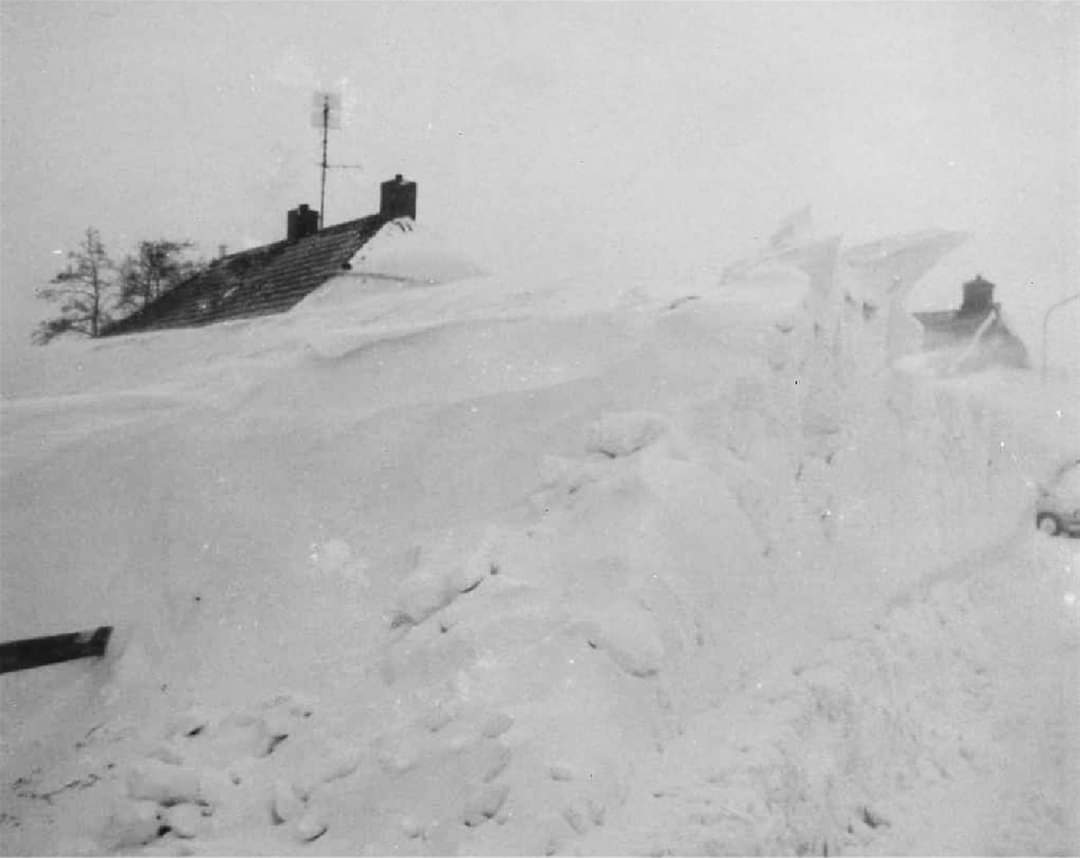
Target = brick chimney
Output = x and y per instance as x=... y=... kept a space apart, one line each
x=301 y=222
x=978 y=297
x=398 y=199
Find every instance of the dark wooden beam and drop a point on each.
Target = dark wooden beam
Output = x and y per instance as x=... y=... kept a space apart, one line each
x=52 y=649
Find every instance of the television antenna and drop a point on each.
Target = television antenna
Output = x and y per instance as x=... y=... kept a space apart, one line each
x=326 y=114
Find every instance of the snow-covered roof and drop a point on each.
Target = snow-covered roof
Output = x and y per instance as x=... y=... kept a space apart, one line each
x=268 y=279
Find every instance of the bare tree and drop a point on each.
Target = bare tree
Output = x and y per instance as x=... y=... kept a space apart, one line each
x=156 y=268
x=84 y=287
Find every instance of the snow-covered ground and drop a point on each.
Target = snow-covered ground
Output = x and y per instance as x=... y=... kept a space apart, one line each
x=509 y=564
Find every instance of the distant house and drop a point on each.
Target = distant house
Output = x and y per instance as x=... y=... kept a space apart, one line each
x=975 y=331
x=272 y=278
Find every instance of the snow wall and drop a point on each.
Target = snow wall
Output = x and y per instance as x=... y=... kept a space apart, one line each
x=508 y=544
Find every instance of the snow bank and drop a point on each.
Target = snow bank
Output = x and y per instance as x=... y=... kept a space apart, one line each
x=481 y=569
x=889 y=739
x=405 y=250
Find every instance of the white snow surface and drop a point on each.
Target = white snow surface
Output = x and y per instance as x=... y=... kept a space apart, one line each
x=408 y=251
x=514 y=565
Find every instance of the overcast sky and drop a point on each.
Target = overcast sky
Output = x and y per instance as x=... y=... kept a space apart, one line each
x=622 y=139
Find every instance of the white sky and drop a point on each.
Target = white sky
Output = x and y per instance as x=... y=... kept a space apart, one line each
x=623 y=139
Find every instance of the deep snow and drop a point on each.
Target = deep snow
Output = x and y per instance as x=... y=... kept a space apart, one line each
x=518 y=565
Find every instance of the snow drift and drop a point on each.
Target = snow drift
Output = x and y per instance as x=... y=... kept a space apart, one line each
x=512 y=566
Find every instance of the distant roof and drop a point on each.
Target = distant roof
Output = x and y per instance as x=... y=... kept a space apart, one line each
x=264 y=280
x=953 y=329
x=951 y=321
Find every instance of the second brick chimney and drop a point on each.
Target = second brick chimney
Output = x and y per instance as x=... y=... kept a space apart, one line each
x=398 y=199
x=978 y=297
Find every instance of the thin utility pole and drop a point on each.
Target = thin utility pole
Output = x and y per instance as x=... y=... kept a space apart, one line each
x=1046 y=320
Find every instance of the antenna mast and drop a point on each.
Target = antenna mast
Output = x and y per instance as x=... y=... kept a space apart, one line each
x=326 y=115
x=325 y=129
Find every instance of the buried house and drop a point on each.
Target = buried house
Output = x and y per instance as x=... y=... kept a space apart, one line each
x=275 y=277
x=975 y=334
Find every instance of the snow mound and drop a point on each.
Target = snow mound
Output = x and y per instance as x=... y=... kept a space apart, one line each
x=401 y=254
x=405 y=250
x=582 y=567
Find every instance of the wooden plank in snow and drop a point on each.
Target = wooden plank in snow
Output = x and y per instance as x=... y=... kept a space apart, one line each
x=37 y=652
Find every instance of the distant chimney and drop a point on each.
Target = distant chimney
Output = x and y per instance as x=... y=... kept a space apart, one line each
x=301 y=222
x=978 y=297
x=398 y=199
